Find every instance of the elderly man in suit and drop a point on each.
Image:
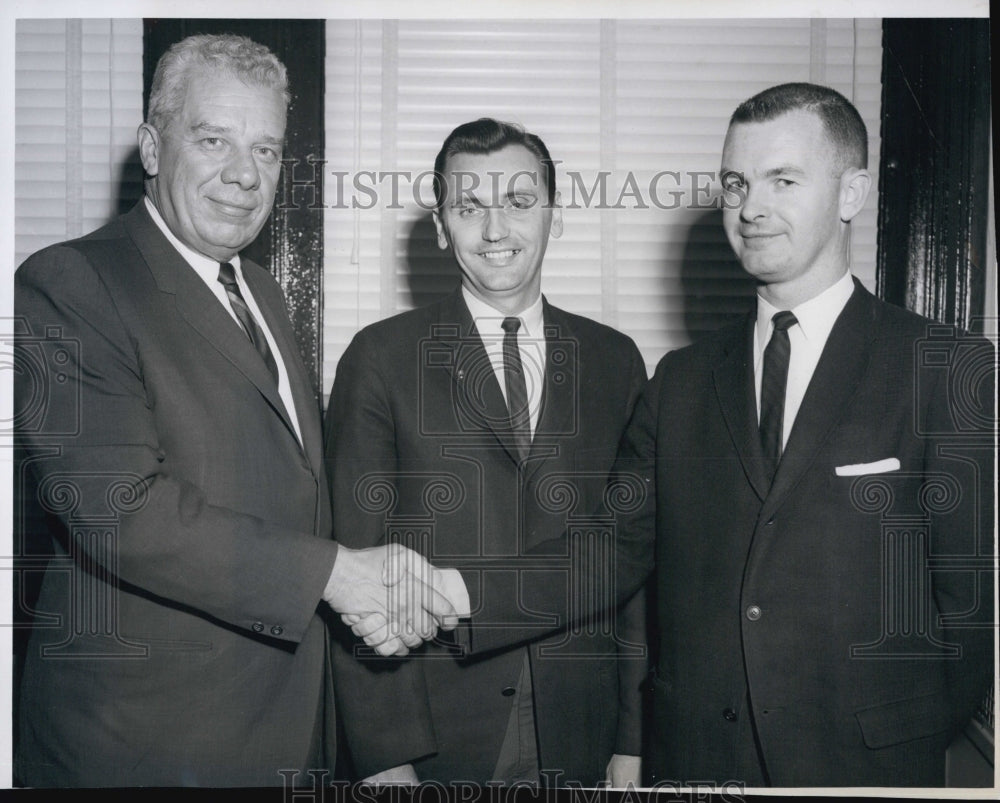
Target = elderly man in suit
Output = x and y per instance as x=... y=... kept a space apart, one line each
x=481 y=425
x=822 y=498
x=178 y=453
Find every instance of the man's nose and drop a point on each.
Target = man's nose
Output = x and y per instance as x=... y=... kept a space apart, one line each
x=242 y=169
x=495 y=225
x=755 y=203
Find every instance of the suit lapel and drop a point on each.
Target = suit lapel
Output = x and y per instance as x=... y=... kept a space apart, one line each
x=199 y=307
x=480 y=401
x=842 y=366
x=563 y=374
x=734 y=386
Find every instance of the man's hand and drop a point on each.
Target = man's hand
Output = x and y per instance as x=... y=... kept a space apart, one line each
x=387 y=595
x=623 y=770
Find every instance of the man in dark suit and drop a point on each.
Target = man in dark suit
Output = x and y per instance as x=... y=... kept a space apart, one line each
x=177 y=451
x=479 y=427
x=823 y=497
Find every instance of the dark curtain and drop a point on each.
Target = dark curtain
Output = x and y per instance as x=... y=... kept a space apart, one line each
x=933 y=212
x=291 y=243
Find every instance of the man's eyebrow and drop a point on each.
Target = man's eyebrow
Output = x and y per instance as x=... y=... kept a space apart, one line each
x=781 y=170
x=784 y=170
x=468 y=198
x=209 y=128
x=213 y=128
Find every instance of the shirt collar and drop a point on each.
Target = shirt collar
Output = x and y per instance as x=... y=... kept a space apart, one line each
x=207 y=268
x=815 y=317
x=488 y=319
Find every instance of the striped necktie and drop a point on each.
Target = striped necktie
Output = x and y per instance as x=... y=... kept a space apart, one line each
x=227 y=275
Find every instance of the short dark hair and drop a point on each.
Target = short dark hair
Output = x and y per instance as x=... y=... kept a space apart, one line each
x=485 y=136
x=840 y=118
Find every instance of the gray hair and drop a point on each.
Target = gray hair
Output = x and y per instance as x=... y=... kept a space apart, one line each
x=237 y=56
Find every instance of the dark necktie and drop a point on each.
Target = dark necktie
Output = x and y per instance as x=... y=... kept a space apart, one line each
x=517 y=388
x=772 y=389
x=227 y=275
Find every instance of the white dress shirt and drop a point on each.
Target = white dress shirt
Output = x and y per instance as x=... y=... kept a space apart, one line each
x=208 y=270
x=807 y=338
x=530 y=342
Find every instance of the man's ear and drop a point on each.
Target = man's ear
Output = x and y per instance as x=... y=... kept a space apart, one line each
x=442 y=232
x=855 y=184
x=556 y=227
x=149 y=149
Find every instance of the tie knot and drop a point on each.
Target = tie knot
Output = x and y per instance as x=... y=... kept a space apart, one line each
x=511 y=325
x=227 y=274
x=783 y=320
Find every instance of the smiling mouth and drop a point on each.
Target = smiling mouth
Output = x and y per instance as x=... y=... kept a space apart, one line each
x=500 y=256
x=233 y=210
x=758 y=239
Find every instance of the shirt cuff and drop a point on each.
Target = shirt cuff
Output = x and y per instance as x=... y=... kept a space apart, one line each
x=451 y=585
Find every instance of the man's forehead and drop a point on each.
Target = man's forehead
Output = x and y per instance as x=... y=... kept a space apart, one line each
x=794 y=136
x=256 y=113
x=222 y=90
x=513 y=164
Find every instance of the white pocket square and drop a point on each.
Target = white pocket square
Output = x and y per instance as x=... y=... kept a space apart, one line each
x=878 y=467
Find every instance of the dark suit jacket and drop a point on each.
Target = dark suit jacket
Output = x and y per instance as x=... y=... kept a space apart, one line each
x=419 y=447
x=185 y=645
x=870 y=640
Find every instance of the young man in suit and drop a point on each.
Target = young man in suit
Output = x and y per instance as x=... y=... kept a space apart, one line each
x=480 y=426
x=822 y=499
x=178 y=451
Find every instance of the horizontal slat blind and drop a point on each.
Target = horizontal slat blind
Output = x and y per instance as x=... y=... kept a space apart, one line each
x=677 y=83
x=353 y=142
x=616 y=100
x=78 y=102
x=543 y=75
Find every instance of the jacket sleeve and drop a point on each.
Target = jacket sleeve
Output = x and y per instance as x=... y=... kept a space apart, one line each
x=633 y=650
x=382 y=702
x=959 y=422
x=93 y=440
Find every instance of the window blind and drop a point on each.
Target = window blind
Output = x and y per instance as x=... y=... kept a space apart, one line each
x=78 y=102
x=634 y=111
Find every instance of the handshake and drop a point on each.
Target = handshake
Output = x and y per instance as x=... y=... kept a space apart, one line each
x=391 y=597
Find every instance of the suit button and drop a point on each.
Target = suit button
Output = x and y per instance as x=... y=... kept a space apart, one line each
x=277 y=630
x=753 y=613
x=729 y=715
x=258 y=627
x=508 y=691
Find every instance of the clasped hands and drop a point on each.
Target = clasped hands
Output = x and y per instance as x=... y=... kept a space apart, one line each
x=391 y=597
